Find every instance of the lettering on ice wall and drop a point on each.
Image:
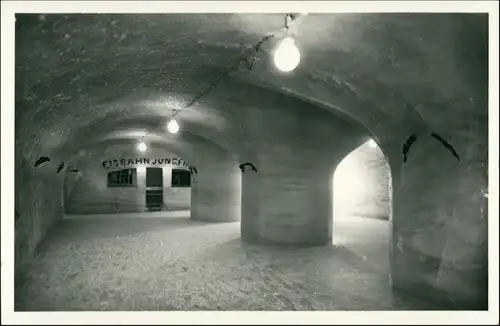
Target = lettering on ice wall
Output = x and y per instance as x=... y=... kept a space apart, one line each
x=123 y=162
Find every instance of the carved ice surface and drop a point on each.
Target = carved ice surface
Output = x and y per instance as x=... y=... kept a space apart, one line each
x=167 y=262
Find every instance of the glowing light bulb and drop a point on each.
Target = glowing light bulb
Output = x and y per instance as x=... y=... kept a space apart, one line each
x=372 y=143
x=173 y=126
x=142 y=147
x=287 y=56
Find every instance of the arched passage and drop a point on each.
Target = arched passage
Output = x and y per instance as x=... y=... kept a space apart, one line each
x=362 y=183
x=121 y=179
x=387 y=74
x=214 y=177
x=362 y=202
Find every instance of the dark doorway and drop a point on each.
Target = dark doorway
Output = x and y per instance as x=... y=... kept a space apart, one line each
x=154 y=189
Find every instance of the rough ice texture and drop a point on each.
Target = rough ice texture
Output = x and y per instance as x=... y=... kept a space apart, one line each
x=38 y=204
x=168 y=262
x=440 y=224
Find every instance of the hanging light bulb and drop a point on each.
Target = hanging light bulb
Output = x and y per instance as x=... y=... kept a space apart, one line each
x=173 y=126
x=287 y=55
x=142 y=146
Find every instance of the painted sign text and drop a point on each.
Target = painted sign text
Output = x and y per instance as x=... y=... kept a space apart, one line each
x=122 y=162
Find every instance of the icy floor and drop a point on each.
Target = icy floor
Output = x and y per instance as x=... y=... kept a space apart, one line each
x=164 y=261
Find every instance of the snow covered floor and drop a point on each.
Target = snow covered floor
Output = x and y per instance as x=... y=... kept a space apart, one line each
x=164 y=261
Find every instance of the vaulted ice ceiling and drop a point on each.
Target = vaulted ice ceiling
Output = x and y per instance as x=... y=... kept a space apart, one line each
x=82 y=78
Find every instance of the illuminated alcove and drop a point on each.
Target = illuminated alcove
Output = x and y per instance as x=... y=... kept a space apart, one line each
x=362 y=204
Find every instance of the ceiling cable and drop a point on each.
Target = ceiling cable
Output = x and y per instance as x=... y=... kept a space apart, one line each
x=288 y=21
x=249 y=64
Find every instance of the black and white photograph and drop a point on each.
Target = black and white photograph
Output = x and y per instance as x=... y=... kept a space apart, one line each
x=230 y=159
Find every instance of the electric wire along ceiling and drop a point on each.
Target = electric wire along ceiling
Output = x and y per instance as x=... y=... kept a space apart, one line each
x=286 y=58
